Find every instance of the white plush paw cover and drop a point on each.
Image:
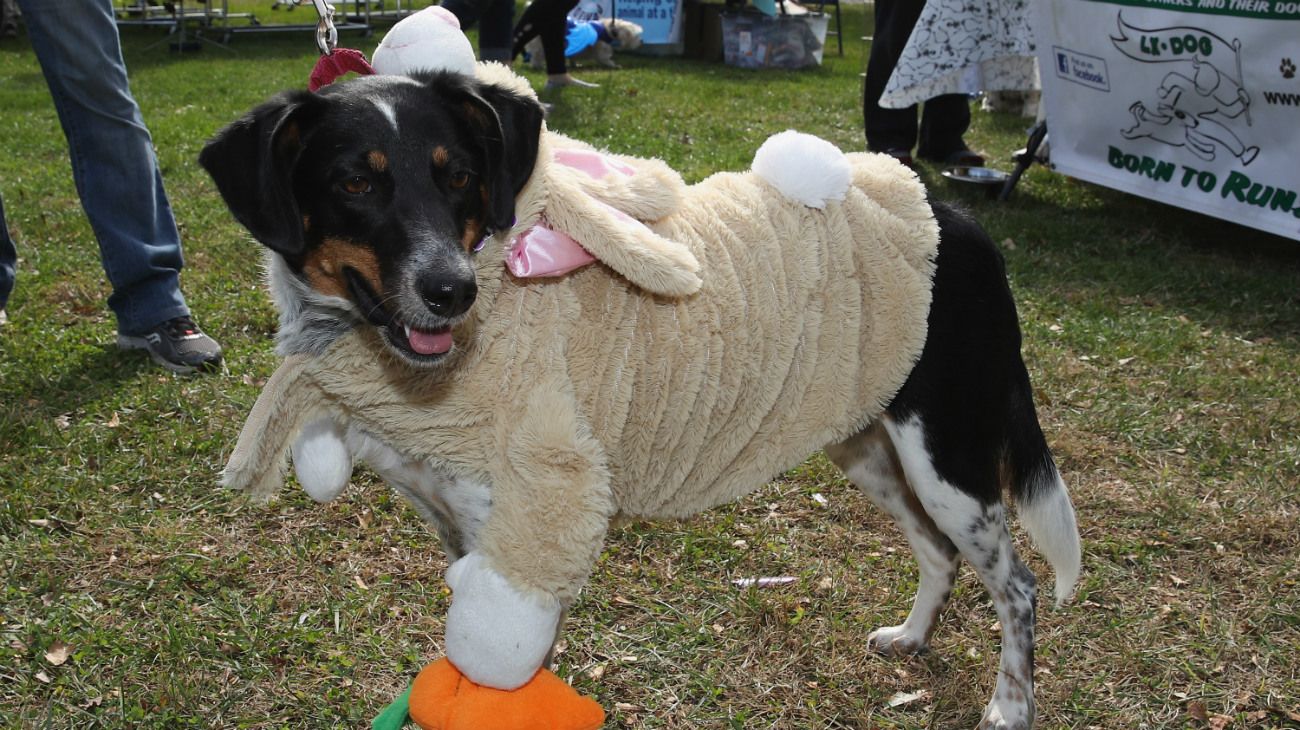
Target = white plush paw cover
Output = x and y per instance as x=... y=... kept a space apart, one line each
x=321 y=460
x=497 y=636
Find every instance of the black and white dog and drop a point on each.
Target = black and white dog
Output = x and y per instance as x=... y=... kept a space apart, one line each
x=373 y=194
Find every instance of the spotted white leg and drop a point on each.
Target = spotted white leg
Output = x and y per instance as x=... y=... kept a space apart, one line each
x=979 y=531
x=869 y=461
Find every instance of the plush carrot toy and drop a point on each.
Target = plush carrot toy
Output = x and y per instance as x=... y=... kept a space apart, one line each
x=441 y=698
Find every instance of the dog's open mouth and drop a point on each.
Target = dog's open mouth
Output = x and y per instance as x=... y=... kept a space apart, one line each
x=427 y=342
x=417 y=344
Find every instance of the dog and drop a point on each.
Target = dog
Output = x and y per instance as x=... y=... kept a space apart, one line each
x=374 y=197
x=611 y=35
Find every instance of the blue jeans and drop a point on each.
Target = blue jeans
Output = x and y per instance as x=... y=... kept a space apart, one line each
x=113 y=162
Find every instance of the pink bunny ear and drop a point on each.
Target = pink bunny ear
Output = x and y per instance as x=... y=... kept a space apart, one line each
x=340 y=61
x=594 y=164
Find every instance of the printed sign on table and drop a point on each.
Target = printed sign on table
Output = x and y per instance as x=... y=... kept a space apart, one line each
x=660 y=20
x=1195 y=103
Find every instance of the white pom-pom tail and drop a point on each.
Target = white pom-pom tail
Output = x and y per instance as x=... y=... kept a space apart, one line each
x=806 y=169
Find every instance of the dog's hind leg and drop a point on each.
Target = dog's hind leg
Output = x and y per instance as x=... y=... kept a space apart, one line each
x=870 y=462
x=950 y=493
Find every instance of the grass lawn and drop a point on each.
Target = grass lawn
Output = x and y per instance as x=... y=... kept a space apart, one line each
x=137 y=594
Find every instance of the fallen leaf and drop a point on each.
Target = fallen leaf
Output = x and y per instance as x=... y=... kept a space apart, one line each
x=42 y=677
x=1008 y=244
x=114 y=422
x=92 y=702
x=63 y=422
x=765 y=582
x=1219 y=722
x=58 y=653
x=625 y=707
x=905 y=698
x=1197 y=711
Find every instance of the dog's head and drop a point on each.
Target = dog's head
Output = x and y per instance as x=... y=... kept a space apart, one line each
x=376 y=192
x=626 y=33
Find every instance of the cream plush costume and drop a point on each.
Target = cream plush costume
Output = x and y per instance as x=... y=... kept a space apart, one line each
x=729 y=329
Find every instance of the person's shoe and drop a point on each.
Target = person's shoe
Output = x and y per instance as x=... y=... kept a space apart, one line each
x=4 y=318
x=177 y=344
x=902 y=155
x=960 y=158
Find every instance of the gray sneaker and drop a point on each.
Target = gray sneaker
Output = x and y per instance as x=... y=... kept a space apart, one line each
x=177 y=344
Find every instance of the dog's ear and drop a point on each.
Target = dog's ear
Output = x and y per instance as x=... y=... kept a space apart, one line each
x=251 y=161
x=510 y=125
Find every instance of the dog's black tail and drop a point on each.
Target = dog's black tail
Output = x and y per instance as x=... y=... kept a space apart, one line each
x=975 y=336
x=1028 y=467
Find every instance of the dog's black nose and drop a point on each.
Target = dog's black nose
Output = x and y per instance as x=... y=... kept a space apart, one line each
x=447 y=296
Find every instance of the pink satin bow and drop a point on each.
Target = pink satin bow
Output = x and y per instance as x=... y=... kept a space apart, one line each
x=543 y=251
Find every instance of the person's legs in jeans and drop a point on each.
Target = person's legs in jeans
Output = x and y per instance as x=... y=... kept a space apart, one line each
x=113 y=161
x=8 y=261
x=495 y=30
x=888 y=130
x=496 y=25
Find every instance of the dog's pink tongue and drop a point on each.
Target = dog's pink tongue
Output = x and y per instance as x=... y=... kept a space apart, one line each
x=430 y=343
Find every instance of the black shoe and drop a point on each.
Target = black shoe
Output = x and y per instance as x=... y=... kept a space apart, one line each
x=177 y=344
x=902 y=155
x=957 y=158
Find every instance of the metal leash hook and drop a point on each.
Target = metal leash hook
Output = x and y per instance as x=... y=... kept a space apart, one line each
x=327 y=36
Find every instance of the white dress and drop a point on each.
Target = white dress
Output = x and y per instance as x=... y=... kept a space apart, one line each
x=962 y=47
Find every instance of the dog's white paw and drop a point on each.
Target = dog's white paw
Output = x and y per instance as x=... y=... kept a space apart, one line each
x=895 y=641
x=1005 y=714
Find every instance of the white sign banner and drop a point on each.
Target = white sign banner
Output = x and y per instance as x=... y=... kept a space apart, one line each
x=660 y=20
x=1195 y=103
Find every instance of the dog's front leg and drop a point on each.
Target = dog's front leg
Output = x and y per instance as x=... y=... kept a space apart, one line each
x=551 y=505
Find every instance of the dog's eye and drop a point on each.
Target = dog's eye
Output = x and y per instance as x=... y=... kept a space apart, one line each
x=357 y=185
x=459 y=180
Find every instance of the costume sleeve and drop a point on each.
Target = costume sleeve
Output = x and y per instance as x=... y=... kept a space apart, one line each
x=551 y=506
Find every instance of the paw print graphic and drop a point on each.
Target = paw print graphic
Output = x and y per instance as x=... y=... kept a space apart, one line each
x=1287 y=68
